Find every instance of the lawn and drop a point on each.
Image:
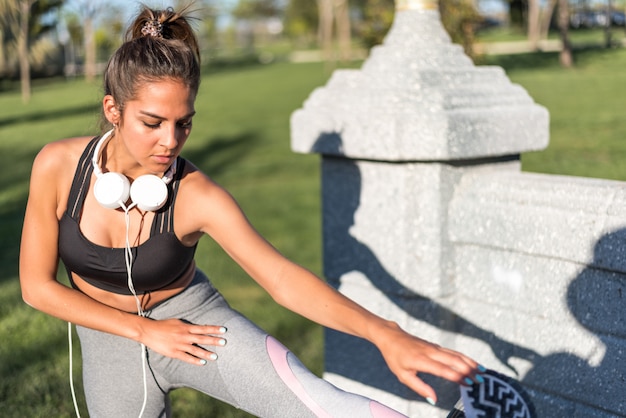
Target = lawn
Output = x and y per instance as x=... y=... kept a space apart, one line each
x=587 y=125
x=241 y=138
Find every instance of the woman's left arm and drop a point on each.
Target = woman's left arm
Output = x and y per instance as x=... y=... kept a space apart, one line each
x=299 y=290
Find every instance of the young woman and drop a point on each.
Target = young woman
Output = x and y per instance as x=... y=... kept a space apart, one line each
x=148 y=320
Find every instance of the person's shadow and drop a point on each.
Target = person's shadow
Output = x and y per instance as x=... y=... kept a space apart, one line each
x=597 y=300
x=368 y=366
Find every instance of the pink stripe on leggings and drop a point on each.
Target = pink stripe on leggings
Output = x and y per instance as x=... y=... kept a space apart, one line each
x=278 y=355
x=381 y=411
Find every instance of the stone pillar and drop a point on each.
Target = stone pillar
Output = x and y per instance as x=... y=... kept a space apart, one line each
x=395 y=137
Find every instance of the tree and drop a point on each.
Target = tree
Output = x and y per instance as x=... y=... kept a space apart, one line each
x=565 y=56
x=459 y=17
x=87 y=10
x=344 y=30
x=23 y=34
x=534 y=24
x=376 y=19
x=546 y=19
x=250 y=12
x=22 y=48
x=302 y=20
x=518 y=10
x=250 y=9
x=337 y=12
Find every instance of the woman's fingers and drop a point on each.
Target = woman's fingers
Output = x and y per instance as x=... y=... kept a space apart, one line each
x=207 y=329
x=408 y=356
x=184 y=341
x=198 y=355
x=201 y=336
x=416 y=384
x=208 y=335
x=453 y=366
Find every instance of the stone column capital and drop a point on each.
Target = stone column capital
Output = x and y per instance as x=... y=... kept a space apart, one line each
x=418 y=97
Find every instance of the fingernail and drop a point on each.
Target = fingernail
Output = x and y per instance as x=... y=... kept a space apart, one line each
x=430 y=401
x=469 y=381
x=213 y=356
x=222 y=342
x=482 y=368
x=222 y=330
x=480 y=379
x=202 y=362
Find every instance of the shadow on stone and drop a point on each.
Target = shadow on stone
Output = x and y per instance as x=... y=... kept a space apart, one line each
x=368 y=367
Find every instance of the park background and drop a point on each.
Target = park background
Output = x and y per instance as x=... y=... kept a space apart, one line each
x=261 y=61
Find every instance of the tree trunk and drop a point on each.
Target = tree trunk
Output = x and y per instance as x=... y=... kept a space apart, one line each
x=607 y=27
x=546 y=19
x=90 y=49
x=22 y=48
x=2 y=56
x=565 y=56
x=325 y=29
x=534 y=17
x=342 y=14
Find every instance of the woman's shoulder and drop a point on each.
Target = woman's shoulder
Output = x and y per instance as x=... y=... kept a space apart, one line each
x=198 y=186
x=62 y=153
x=192 y=174
x=52 y=173
x=199 y=183
x=67 y=145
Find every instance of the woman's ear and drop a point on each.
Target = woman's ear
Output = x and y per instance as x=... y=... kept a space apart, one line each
x=111 y=110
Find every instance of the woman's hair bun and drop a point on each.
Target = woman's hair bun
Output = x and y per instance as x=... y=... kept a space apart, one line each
x=164 y=24
x=152 y=28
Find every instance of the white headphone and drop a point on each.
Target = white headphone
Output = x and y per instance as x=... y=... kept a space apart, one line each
x=148 y=192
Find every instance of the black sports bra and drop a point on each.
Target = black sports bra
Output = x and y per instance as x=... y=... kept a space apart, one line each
x=159 y=261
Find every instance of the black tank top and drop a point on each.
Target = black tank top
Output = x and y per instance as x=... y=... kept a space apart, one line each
x=156 y=263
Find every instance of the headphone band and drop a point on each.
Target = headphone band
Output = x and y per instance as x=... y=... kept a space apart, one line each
x=167 y=177
x=112 y=190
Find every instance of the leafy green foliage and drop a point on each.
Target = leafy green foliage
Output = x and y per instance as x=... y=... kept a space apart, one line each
x=251 y=9
x=459 y=17
x=301 y=19
x=377 y=17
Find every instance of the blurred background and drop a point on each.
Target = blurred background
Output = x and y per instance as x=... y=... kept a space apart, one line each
x=261 y=60
x=69 y=38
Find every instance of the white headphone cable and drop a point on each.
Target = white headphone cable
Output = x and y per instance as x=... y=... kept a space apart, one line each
x=140 y=312
x=129 y=262
x=69 y=337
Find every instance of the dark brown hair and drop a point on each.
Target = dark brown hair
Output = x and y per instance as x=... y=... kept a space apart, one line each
x=159 y=45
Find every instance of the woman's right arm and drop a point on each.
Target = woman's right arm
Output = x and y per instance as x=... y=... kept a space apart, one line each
x=39 y=263
x=39 y=253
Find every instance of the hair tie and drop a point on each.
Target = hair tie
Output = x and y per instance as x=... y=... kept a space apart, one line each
x=152 y=28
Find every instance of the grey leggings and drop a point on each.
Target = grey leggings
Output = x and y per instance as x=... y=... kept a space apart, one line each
x=253 y=372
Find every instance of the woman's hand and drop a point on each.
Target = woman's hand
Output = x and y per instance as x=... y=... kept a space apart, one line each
x=183 y=341
x=407 y=355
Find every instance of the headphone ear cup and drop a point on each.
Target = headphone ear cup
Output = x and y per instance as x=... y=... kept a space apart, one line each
x=111 y=190
x=148 y=192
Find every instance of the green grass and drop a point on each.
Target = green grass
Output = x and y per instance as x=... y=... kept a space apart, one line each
x=241 y=138
x=587 y=124
x=579 y=38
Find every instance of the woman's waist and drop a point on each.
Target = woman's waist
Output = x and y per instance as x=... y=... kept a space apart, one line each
x=128 y=302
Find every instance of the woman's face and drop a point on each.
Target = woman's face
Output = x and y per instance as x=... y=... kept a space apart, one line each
x=154 y=126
